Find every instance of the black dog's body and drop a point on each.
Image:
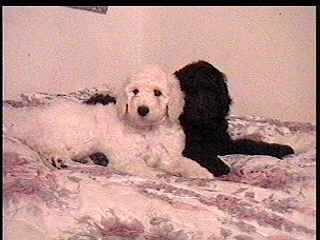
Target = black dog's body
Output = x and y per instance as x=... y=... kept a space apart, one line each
x=100 y=98
x=204 y=119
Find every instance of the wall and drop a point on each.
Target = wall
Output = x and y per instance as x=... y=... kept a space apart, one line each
x=59 y=49
x=268 y=53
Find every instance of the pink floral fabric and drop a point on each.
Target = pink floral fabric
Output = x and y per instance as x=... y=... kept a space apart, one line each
x=263 y=198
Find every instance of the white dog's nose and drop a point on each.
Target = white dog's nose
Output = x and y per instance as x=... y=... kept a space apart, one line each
x=143 y=110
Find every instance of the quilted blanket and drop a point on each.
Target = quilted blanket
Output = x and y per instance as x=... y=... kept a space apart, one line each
x=263 y=198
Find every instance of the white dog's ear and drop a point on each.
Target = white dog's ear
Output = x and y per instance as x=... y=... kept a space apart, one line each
x=122 y=100
x=176 y=99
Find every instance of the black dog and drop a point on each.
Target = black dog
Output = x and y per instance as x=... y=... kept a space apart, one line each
x=205 y=123
x=204 y=120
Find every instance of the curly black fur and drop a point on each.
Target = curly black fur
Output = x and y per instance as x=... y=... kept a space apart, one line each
x=205 y=123
x=99 y=158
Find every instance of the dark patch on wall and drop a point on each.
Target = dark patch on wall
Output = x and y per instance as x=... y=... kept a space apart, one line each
x=97 y=9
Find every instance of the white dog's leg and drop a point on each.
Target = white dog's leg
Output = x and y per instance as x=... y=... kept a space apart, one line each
x=122 y=161
x=188 y=168
x=193 y=169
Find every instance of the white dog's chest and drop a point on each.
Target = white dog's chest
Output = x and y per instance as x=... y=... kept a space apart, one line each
x=132 y=146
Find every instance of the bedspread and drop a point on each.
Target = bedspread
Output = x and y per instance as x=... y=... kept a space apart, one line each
x=263 y=198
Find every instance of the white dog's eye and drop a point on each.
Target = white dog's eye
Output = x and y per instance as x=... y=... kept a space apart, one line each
x=135 y=91
x=157 y=92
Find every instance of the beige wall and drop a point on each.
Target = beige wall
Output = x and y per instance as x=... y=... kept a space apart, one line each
x=59 y=49
x=268 y=53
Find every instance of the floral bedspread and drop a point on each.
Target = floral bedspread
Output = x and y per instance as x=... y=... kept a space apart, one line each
x=264 y=198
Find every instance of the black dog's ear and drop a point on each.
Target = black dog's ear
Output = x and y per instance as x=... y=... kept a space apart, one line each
x=204 y=74
x=212 y=78
x=223 y=97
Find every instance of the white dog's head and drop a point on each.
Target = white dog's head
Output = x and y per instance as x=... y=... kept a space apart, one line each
x=150 y=97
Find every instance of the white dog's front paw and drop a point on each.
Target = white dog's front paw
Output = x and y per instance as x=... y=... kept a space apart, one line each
x=192 y=169
x=199 y=172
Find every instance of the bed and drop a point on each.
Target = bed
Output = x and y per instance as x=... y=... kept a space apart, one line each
x=264 y=198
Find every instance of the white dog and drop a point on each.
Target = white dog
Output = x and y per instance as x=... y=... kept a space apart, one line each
x=139 y=132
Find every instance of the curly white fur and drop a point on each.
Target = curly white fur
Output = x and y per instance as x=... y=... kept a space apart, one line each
x=65 y=130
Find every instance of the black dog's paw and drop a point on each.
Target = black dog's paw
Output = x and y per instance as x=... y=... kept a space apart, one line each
x=214 y=165
x=99 y=159
x=218 y=168
x=282 y=150
x=210 y=161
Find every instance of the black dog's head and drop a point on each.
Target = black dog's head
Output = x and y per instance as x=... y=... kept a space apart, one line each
x=206 y=93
